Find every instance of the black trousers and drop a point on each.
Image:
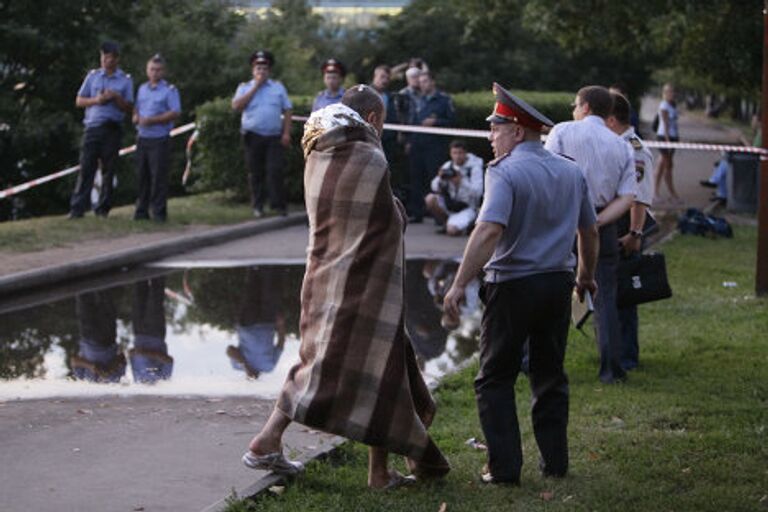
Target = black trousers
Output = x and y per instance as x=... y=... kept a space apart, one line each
x=152 y=159
x=607 y=327
x=265 y=161
x=99 y=143
x=424 y=160
x=535 y=308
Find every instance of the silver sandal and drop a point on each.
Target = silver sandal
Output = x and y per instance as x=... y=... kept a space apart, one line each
x=275 y=462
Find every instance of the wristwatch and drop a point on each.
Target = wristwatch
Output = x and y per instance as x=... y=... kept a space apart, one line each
x=636 y=233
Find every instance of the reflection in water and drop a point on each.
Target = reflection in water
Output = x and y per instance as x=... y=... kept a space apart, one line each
x=99 y=358
x=261 y=316
x=184 y=332
x=149 y=357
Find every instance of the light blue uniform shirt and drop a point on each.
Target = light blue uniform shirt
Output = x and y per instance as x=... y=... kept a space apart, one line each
x=325 y=98
x=151 y=102
x=263 y=114
x=541 y=199
x=95 y=82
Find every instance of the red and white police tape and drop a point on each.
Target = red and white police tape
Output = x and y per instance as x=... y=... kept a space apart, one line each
x=69 y=170
x=432 y=130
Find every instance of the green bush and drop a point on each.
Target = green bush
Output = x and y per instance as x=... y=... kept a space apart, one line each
x=219 y=157
x=218 y=160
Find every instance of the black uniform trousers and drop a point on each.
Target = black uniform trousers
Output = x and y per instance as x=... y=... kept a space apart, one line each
x=152 y=159
x=424 y=160
x=99 y=143
x=607 y=328
x=265 y=161
x=535 y=308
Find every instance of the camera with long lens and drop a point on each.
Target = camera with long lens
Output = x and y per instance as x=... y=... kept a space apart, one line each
x=448 y=172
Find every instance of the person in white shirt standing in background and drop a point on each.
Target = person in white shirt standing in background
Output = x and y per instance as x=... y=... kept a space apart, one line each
x=667 y=132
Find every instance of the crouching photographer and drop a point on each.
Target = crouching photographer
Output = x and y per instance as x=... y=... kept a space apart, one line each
x=456 y=191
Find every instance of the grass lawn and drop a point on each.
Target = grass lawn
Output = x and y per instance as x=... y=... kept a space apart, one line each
x=215 y=208
x=687 y=432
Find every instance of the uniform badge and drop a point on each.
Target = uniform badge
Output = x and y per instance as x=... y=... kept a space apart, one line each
x=639 y=171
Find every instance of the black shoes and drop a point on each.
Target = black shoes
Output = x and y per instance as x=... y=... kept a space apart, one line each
x=708 y=184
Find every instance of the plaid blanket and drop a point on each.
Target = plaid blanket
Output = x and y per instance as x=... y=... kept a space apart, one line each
x=357 y=376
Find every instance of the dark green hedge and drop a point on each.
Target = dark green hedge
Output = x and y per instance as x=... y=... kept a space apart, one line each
x=219 y=157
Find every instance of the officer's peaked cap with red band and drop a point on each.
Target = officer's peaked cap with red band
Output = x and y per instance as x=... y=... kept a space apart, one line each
x=511 y=109
x=333 y=66
x=262 y=57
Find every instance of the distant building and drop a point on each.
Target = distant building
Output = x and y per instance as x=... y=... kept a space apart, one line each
x=360 y=14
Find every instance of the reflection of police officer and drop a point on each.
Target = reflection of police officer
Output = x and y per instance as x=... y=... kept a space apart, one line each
x=106 y=95
x=630 y=226
x=425 y=151
x=609 y=168
x=149 y=357
x=99 y=358
x=261 y=319
x=534 y=204
x=333 y=76
x=265 y=123
x=422 y=318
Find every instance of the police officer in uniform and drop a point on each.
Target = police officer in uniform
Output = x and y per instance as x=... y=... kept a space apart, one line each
x=535 y=202
x=630 y=226
x=426 y=151
x=157 y=107
x=609 y=168
x=106 y=95
x=333 y=76
x=265 y=123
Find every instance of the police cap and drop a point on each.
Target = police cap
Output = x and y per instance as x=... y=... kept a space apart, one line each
x=110 y=47
x=511 y=109
x=262 y=57
x=333 y=66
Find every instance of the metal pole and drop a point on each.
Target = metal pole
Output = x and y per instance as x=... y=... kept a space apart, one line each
x=761 y=276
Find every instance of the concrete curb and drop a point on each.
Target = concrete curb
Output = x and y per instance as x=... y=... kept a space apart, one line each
x=262 y=484
x=46 y=276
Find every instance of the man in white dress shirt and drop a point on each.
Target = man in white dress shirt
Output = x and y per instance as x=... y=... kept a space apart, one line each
x=609 y=168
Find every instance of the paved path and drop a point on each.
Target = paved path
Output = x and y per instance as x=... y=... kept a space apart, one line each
x=690 y=167
x=290 y=245
x=122 y=454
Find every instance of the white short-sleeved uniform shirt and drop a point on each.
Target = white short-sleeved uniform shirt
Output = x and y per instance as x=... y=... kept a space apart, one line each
x=607 y=161
x=643 y=166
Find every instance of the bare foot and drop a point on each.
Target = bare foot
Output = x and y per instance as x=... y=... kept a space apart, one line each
x=421 y=472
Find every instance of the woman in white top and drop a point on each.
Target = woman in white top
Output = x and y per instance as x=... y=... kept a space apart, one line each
x=667 y=131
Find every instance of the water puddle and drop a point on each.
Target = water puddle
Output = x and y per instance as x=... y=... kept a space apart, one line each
x=197 y=331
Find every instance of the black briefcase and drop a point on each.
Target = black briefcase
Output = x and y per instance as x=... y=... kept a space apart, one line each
x=642 y=279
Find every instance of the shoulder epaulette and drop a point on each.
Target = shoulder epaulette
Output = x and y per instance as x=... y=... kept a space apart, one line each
x=636 y=144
